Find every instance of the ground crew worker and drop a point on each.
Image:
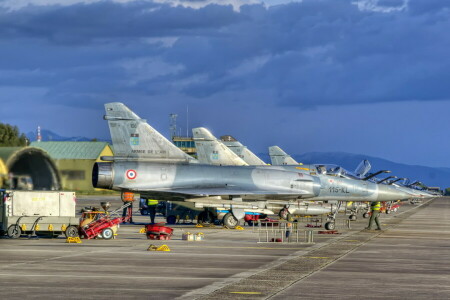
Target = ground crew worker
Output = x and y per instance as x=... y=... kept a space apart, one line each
x=288 y=230
x=152 y=204
x=375 y=208
x=128 y=211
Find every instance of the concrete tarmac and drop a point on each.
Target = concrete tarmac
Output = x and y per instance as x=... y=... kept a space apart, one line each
x=406 y=260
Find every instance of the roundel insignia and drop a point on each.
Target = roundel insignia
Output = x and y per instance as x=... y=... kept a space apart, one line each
x=131 y=174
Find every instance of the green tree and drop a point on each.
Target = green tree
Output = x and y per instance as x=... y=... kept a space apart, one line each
x=10 y=136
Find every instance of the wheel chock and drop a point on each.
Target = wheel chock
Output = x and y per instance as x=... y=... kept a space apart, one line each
x=152 y=248
x=239 y=228
x=143 y=230
x=73 y=240
x=163 y=248
x=199 y=226
x=50 y=227
x=24 y=227
x=160 y=248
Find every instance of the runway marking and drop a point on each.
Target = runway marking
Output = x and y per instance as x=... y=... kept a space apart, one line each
x=317 y=257
x=247 y=293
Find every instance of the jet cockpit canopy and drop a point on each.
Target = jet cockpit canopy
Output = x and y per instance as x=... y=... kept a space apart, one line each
x=332 y=170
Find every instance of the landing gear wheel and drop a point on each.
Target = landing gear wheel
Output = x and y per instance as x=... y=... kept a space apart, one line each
x=366 y=215
x=352 y=217
x=330 y=226
x=284 y=214
x=14 y=231
x=230 y=221
x=71 y=231
x=171 y=219
x=107 y=233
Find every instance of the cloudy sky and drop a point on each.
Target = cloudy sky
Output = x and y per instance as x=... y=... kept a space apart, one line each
x=368 y=76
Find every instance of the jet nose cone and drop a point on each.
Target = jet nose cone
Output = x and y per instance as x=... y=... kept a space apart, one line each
x=390 y=193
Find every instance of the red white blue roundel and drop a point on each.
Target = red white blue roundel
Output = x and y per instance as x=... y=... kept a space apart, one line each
x=131 y=174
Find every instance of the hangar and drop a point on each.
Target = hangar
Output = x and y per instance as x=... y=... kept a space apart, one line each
x=75 y=160
x=51 y=165
x=28 y=168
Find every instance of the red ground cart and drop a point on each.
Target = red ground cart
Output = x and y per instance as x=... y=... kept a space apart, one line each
x=104 y=224
x=159 y=232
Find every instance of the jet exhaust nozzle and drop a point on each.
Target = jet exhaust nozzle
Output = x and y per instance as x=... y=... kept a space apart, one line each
x=102 y=175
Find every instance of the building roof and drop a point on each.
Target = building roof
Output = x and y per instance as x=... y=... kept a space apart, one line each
x=72 y=150
x=6 y=152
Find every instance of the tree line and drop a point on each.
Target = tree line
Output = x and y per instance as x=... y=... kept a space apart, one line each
x=11 y=137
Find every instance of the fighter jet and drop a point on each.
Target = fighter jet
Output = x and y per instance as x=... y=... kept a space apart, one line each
x=214 y=151
x=147 y=163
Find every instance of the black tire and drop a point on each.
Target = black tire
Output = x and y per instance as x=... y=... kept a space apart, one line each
x=366 y=215
x=352 y=217
x=171 y=219
x=330 y=226
x=71 y=231
x=107 y=233
x=144 y=212
x=14 y=231
x=388 y=211
x=230 y=221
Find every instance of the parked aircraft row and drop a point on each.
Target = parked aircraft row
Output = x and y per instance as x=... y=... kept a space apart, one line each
x=228 y=175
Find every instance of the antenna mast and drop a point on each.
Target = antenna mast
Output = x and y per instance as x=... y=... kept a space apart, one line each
x=173 y=125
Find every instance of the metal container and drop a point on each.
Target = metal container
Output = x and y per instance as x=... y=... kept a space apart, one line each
x=41 y=212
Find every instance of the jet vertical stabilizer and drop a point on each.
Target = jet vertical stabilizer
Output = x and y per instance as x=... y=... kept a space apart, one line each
x=134 y=138
x=279 y=157
x=211 y=151
x=242 y=151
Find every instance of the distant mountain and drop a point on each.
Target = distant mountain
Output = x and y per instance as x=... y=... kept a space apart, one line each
x=50 y=136
x=428 y=175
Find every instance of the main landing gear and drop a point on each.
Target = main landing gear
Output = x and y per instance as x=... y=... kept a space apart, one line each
x=331 y=220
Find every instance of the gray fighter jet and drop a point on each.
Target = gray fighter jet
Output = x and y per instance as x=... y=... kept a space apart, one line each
x=147 y=163
x=214 y=151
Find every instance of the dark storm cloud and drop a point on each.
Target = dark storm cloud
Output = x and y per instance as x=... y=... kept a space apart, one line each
x=317 y=52
x=81 y=23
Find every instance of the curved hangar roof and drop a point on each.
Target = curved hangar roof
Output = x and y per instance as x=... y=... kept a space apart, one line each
x=32 y=162
x=72 y=150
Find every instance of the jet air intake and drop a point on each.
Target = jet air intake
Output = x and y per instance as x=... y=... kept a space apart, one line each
x=102 y=175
